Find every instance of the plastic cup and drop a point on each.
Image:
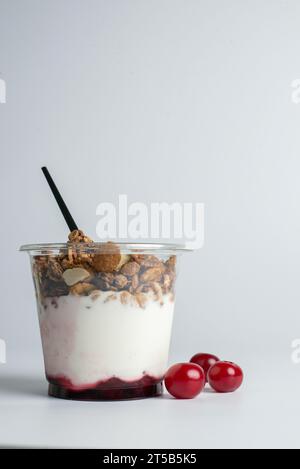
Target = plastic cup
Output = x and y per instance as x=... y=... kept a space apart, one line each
x=105 y=314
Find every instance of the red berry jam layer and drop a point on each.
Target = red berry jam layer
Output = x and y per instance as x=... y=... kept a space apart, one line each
x=112 y=389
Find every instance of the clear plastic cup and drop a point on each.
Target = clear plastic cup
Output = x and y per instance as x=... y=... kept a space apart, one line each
x=105 y=313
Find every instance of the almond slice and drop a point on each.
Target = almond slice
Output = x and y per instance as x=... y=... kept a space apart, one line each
x=73 y=276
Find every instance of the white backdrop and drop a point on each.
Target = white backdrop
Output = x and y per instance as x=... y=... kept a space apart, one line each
x=163 y=100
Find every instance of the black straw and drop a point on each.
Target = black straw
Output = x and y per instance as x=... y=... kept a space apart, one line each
x=64 y=209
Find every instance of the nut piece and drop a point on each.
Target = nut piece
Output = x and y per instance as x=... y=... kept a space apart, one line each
x=152 y=275
x=141 y=299
x=82 y=289
x=54 y=271
x=150 y=261
x=167 y=283
x=157 y=291
x=78 y=236
x=146 y=260
x=171 y=263
x=125 y=297
x=141 y=288
x=130 y=269
x=111 y=297
x=66 y=264
x=124 y=258
x=139 y=258
x=94 y=294
x=104 y=281
x=73 y=276
x=52 y=289
x=108 y=258
x=121 y=281
x=135 y=282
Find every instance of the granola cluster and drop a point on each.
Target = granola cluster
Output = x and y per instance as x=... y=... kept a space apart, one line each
x=80 y=272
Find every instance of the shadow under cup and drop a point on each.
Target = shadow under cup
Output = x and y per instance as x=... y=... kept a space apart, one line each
x=105 y=313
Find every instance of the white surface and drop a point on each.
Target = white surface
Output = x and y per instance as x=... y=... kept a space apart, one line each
x=264 y=413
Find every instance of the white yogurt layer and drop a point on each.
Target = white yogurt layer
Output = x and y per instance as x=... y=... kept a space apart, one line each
x=87 y=341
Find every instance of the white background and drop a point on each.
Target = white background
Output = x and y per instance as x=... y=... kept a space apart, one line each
x=163 y=100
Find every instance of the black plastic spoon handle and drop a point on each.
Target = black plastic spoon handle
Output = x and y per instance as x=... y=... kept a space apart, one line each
x=63 y=208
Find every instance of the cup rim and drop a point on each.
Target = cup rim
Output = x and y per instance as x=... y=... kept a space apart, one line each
x=145 y=248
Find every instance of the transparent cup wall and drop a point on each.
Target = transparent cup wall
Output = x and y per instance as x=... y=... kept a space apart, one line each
x=105 y=315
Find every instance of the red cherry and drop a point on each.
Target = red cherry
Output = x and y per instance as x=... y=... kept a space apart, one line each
x=225 y=377
x=185 y=380
x=205 y=360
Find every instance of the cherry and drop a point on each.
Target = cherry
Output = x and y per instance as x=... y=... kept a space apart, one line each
x=225 y=377
x=185 y=380
x=205 y=360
